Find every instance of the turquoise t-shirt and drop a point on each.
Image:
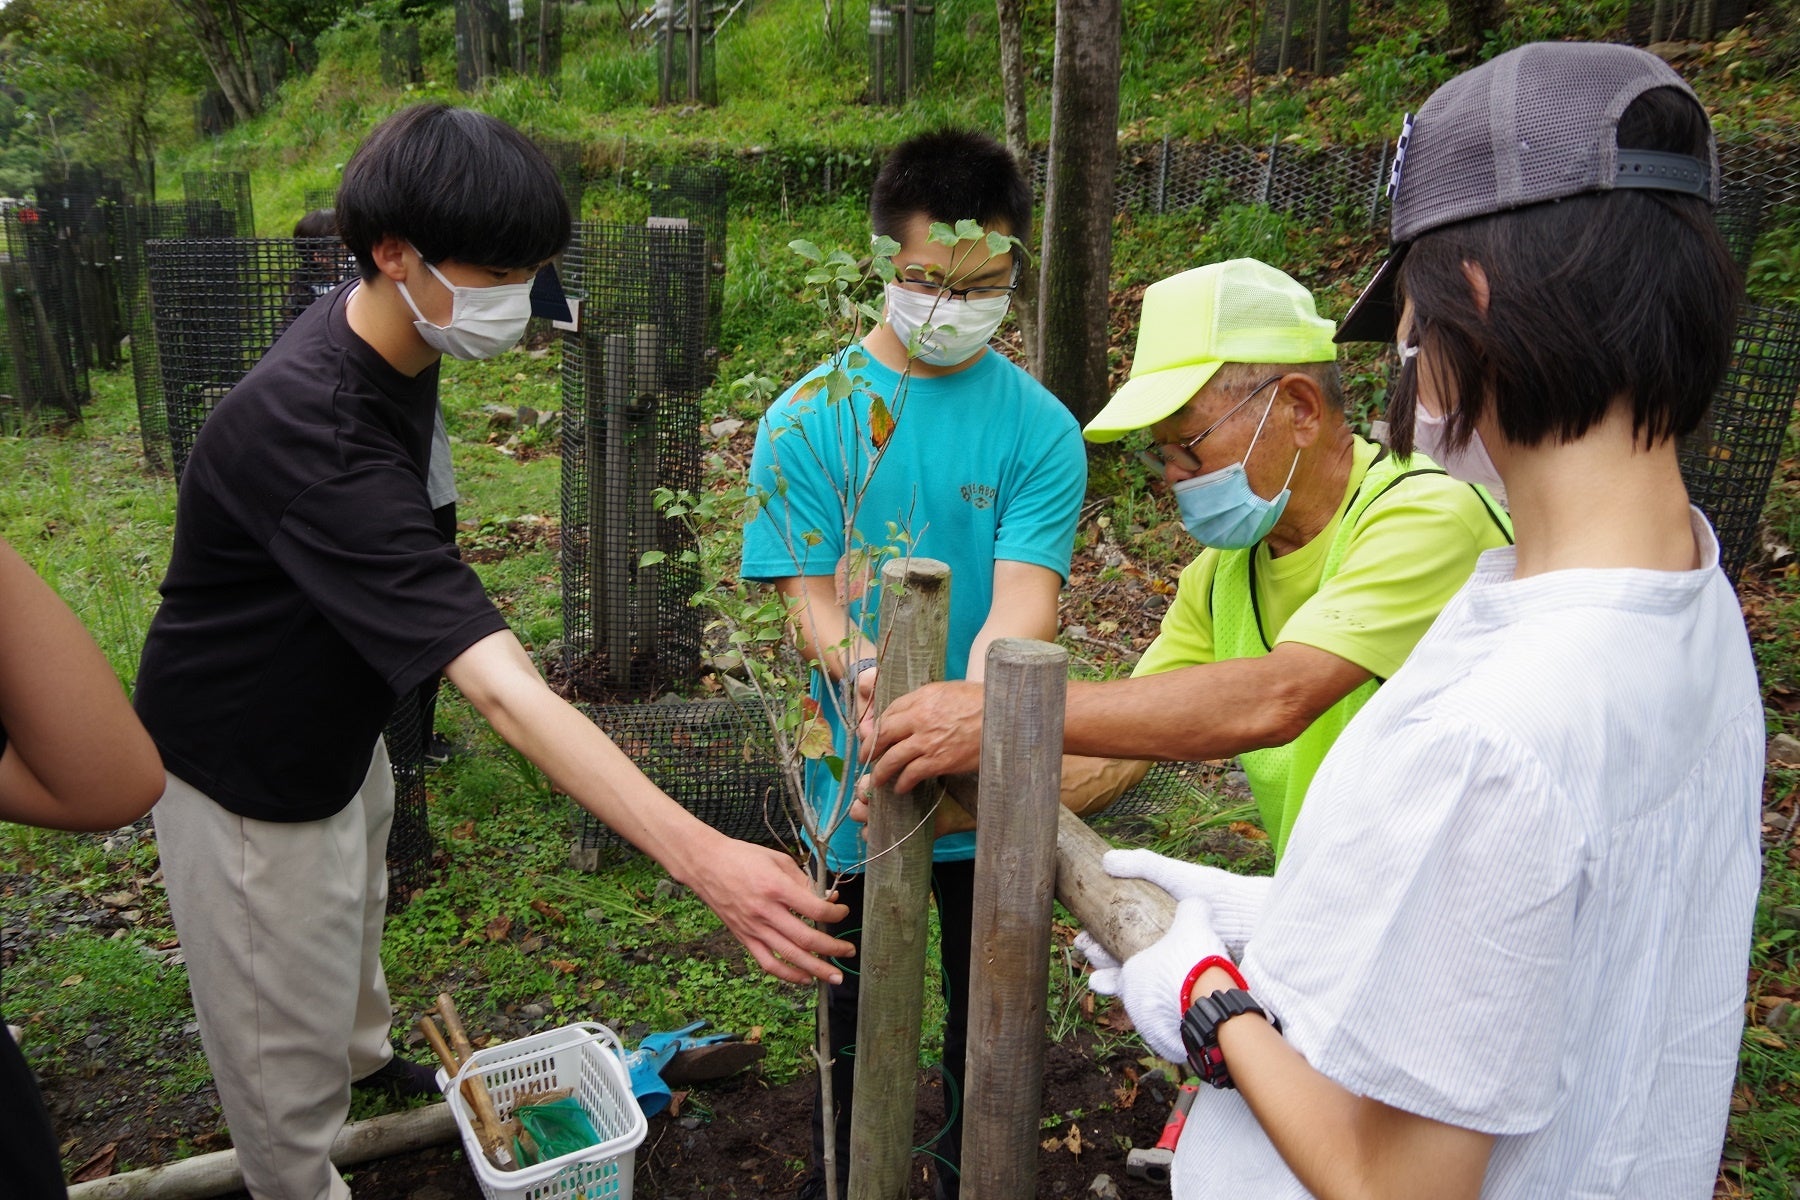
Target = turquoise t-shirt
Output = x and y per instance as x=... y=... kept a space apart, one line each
x=983 y=465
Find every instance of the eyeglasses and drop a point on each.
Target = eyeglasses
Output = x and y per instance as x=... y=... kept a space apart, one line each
x=1181 y=454
x=919 y=279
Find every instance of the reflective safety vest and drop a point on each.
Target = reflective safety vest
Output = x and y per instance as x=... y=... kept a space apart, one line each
x=1280 y=775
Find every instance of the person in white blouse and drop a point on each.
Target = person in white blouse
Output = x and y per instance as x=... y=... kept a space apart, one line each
x=1505 y=953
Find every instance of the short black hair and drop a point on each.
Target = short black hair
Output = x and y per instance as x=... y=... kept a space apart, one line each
x=951 y=175
x=455 y=183
x=319 y=223
x=1625 y=293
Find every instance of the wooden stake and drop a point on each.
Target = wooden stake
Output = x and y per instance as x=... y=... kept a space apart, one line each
x=915 y=619
x=1009 y=950
x=489 y=1129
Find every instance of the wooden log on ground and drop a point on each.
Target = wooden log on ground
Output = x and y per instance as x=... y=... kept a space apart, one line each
x=217 y=1174
x=1009 y=951
x=1124 y=915
x=915 y=620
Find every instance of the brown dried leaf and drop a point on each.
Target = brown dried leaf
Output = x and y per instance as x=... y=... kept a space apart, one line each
x=499 y=928
x=549 y=912
x=564 y=966
x=98 y=1166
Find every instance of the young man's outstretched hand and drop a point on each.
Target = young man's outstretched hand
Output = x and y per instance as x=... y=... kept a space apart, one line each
x=760 y=894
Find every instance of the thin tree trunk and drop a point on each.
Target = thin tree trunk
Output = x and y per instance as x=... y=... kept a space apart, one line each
x=216 y=49
x=1018 y=140
x=1078 y=203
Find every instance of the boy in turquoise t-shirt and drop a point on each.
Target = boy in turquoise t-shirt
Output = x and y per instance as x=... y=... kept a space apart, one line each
x=984 y=470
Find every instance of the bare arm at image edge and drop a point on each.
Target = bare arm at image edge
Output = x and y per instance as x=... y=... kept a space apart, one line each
x=760 y=894
x=76 y=757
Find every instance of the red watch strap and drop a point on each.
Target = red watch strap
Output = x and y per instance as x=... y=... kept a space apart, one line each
x=1201 y=968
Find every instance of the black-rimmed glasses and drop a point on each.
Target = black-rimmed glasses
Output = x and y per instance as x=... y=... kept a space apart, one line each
x=1181 y=454
x=920 y=280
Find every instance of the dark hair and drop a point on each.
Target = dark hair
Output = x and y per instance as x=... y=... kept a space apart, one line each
x=319 y=223
x=951 y=175
x=456 y=184
x=1599 y=296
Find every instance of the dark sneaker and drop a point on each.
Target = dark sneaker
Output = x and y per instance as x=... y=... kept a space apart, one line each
x=401 y=1079
x=440 y=750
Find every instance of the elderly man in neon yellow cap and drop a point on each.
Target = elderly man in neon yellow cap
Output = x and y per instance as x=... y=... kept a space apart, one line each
x=1324 y=557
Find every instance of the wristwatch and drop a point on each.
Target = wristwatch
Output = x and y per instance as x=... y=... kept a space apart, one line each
x=1200 y=1032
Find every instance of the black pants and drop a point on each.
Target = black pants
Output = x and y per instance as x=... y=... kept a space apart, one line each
x=953 y=886
x=32 y=1165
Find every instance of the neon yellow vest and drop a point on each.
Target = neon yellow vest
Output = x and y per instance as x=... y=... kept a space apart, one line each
x=1280 y=775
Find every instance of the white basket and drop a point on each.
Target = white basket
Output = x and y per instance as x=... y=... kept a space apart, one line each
x=585 y=1057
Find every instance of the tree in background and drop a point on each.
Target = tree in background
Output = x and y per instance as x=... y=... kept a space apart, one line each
x=1078 y=203
x=1010 y=15
x=100 y=67
x=227 y=31
x=1470 y=23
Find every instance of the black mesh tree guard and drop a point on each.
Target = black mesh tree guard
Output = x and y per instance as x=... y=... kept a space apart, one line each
x=1303 y=35
x=714 y=757
x=483 y=42
x=632 y=379
x=697 y=193
x=902 y=45
x=565 y=159
x=538 y=39
x=138 y=225
x=317 y=198
x=1729 y=464
x=84 y=207
x=228 y=189
x=1739 y=217
x=397 y=45
x=717 y=759
x=1649 y=21
x=219 y=304
x=45 y=373
x=686 y=73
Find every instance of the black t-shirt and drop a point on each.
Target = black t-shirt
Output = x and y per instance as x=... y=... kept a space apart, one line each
x=308 y=586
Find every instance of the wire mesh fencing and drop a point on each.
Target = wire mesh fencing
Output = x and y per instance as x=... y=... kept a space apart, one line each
x=230 y=190
x=1313 y=35
x=697 y=193
x=397 y=47
x=43 y=363
x=1729 y=464
x=632 y=377
x=139 y=224
x=85 y=207
x=718 y=759
x=218 y=304
x=565 y=160
x=902 y=45
x=1651 y=21
x=686 y=72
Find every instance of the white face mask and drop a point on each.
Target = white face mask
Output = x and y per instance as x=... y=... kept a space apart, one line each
x=484 y=321
x=1471 y=464
x=959 y=328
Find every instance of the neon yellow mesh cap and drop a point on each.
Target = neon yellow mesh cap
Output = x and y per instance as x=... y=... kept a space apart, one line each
x=1240 y=311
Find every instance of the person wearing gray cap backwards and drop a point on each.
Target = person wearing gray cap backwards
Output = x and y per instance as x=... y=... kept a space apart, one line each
x=1504 y=955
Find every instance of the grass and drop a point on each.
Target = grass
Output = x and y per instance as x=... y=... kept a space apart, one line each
x=506 y=923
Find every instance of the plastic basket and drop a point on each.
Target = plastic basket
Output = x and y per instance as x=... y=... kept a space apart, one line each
x=585 y=1057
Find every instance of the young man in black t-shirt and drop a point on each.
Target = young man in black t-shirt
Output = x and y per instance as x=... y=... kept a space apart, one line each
x=308 y=589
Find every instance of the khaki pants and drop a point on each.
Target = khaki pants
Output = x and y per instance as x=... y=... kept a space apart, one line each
x=281 y=927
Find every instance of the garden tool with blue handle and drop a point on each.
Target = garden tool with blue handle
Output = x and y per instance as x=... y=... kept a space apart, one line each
x=677 y=1057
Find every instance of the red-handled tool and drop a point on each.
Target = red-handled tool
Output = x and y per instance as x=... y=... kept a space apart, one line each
x=1153 y=1164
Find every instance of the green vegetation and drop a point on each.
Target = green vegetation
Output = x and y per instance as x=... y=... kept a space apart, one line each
x=505 y=923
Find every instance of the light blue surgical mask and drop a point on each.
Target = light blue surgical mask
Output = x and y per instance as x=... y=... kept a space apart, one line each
x=1221 y=509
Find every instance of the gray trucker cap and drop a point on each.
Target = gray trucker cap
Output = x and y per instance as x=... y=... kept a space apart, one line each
x=1535 y=124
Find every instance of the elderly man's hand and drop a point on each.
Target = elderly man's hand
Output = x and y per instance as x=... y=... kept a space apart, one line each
x=933 y=731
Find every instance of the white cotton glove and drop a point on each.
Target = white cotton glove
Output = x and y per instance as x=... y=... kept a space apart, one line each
x=1237 y=900
x=1150 y=981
